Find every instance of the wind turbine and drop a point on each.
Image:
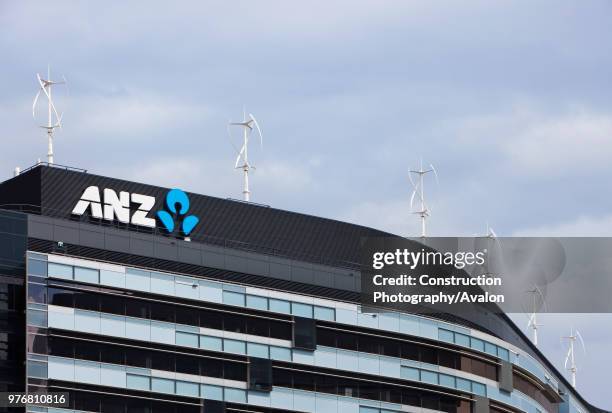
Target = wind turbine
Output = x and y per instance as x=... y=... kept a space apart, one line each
x=242 y=160
x=419 y=189
x=54 y=119
x=533 y=319
x=570 y=357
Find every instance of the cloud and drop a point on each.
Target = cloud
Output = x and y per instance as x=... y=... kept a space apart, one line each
x=583 y=226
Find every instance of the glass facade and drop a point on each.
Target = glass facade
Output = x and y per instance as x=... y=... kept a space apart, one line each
x=184 y=337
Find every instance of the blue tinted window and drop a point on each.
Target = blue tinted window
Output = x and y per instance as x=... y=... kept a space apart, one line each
x=479 y=389
x=232 y=298
x=477 y=344
x=462 y=339
x=187 y=388
x=60 y=271
x=36 y=267
x=280 y=353
x=429 y=376
x=324 y=313
x=234 y=346
x=259 y=303
x=87 y=275
x=186 y=339
x=280 y=306
x=301 y=310
x=162 y=385
x=211 y=343
x=410 y=373
x=490 y=348
x=257 y=350
x=446 y=335
x=138 y=382
x=503 y=354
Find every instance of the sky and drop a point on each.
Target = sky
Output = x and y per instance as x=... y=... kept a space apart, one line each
x=509 y=100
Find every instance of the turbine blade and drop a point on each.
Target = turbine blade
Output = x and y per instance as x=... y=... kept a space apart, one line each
x=258 y=128
x=34 y=103
x=435 y=173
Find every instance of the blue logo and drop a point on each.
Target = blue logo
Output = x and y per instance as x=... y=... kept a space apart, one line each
x=177 y=202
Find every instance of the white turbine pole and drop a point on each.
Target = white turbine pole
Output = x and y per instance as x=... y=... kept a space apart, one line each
x=533 y=319
x=50 y=120
x=45 y=88
x=419 y=189
x=571 y=354
x=247 y=124
x=246 y=166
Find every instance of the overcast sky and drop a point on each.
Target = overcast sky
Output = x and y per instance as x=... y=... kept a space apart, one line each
x=511 y=101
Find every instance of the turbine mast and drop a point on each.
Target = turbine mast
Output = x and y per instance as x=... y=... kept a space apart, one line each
x=242 y=160
x=571 y=358
x=54 y=119
x=419 y=189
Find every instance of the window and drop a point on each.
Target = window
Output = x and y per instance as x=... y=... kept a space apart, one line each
x=187 y=388
x=259 y=303
x=280 y=306
x=257 y=350
x=233 y=298
x=186 y=364
x=234 y=346
x=86 y=275
x=162 y=385
x=138 y=382
x=36 y=267
x=234 y=323
x=60 y=271
x=112 y=304
x=37 y=293
x=301 y=310
x=324 y=313
x=186 y=339
x=211 y=343
x=86 y=301
x=280 y=353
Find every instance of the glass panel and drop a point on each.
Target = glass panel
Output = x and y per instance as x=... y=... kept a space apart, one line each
x=235 y=395
x=280 y=306
x=232 y=298
x=257 y=350
x=138 y=382
x=86 y=275
x=37 y=369
x=463 y=384
x=37 y=318
x=187 y=388
x=234 y=346
x=162 y=385
x=448 y=381
x=259 y=303
x=211 y=343
x=212 y=392
x=60 y=271
x=446 y=335
x=137 y=280
x=162 y=283
x=187 y=287
x=324 y=313
x=490 y=348
x=186 y=339
x=280 y=353
x=37 y=293
x=301 y=310
x=479 y=389
x=36 y=267
x=429 y=377
x=477 y=344
x=503 y=354
x=111 y=278
x=410 y=373
x=462 y=339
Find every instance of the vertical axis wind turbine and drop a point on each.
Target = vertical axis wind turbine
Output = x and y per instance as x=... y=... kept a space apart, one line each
x=570 y=357
x=54 y=119
x=419 y=189
x=247 y=124
x=533 y=319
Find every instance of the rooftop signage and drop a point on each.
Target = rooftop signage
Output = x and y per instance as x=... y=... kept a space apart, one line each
x=134 y=208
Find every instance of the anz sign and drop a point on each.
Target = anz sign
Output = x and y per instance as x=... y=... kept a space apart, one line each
x=112 y=206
